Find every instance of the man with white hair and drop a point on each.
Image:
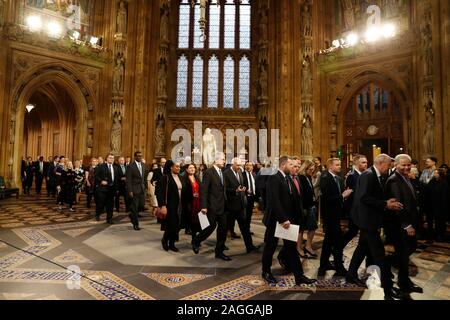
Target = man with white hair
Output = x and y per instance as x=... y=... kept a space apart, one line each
x=369 y=209
x=212 y=202
x=236 y=201
x=405 y=222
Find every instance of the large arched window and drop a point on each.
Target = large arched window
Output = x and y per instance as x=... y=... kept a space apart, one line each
x=214 y=74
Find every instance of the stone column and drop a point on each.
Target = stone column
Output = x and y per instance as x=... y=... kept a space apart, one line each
x=307 y=109
x=120 y=51
x=163 y=57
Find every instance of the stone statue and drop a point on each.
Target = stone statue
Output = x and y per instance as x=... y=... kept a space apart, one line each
x=162 y=81
x=209 y=147
x=306 y=76
x=429 y=137
x=263 y=24
x=12 y=128
x=263 y=78
x=164 y=27
x=427 y=38
x=122 y=18
x=307 y=137
x=307 y=20
x=348 y=9
x=119 y=73
x=262 y=123
x=2 y=9
x=116 y=134
x=392 y=8
x=160 y=137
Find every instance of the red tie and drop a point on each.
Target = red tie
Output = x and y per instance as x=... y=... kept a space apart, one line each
x=296 y=184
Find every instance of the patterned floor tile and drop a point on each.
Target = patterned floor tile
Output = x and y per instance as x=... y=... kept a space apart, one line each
x=76 y=232
x=71 y=256
x=174 y=280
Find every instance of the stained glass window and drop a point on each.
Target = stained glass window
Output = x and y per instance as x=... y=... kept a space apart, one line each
x=244 y=83
x=376 y=98
x=182 y=82
x=213 y=82
x=244 y=24
x=228 y=83
x=183 y=28
x=214 y=26
x=385 y=100
x=360 y=103
x=216 y=73
x=230 y=24
x=197 y=83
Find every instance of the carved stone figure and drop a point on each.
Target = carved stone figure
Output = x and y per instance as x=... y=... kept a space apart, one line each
x=162 y=81
x=119 y=73
x=427 y=38
x=392 y=8
x=306 y=76
x=263 y=78
x=348 y=9
x=209 y=147
x=263 y=24
x=307 y=20
x=164 y=27
x=122 y=18
x=2 y=9
x=116 y=134
x=160 y=137
x=430 y=122
x=307 y=137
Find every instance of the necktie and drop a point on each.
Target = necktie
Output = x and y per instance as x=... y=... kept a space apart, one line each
x=123 y=169
x=237 y=177
x=296 y=184
x=336 y=178
x=140 y=168
x=220 y=175
x=41 y=167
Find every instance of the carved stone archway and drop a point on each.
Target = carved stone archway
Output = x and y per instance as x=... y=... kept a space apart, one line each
x=31 y=82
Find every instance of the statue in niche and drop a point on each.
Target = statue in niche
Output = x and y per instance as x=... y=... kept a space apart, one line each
x=209 y=147
x=392 y=8
x=263 y=78
x=12 y=128
x=263 y=25
x=427 y=38
x=160 y=137
x=119 y=74
x=306 y=76
x=348 y=9
x=307 y=137
x=164 y=27
x=162 y=81
x=116 y=133
x=429 y=137
x=263 y=123
x=2 y=8
x=122 y=18
x=307 y=19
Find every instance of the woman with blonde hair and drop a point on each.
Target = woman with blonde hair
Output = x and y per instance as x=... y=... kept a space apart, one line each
x=67 y=187
x=306 y=174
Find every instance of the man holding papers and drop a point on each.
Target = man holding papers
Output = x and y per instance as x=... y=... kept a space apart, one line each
x=284 y=208
x=212 y=202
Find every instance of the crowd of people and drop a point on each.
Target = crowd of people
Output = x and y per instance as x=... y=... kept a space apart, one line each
x=391 y=202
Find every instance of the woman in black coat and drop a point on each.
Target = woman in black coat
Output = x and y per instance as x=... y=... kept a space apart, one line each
x=440 y=202
x=170 y=201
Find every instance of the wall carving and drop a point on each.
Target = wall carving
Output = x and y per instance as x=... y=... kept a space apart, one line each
x=263 y=60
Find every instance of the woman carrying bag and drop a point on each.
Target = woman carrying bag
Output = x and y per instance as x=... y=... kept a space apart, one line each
x=169 y=210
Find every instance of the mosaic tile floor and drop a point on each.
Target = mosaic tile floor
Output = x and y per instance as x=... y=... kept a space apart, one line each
x=50 y=255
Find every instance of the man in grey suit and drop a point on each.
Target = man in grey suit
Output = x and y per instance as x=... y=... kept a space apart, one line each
x=212 y=202
x=136 y=185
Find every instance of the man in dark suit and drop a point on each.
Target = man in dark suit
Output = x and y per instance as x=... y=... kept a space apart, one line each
x=405 y=222
x=250 y=185
x=40 y=167
x=236 y=202
x=333 y=195
x=283 y=207
x=368 y=211
x=122 y=185
x=360 y=165
x=106 y=186
x=49 y=174
x=212 y=202
x=159 y=172
x=136 y=185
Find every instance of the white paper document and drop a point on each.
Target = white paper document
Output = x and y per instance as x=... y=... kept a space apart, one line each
x=204 y=222
x=288 y=234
